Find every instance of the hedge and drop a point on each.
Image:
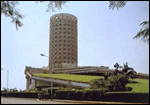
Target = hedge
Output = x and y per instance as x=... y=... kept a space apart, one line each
x=98 y=95
x=88 y=94
x=126 y=97
x=92 y=95
x=20 y=94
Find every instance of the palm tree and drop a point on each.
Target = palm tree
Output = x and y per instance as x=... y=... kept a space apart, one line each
x=143 y=33
x=128 y=71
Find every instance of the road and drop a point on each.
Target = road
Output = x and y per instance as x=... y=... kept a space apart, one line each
x=13 y=100
x=28 y=101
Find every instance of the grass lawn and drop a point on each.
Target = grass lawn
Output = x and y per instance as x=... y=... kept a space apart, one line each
x=71 y=77
x=142 y=86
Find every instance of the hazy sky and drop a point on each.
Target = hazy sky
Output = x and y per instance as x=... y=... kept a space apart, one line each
x=104 y=37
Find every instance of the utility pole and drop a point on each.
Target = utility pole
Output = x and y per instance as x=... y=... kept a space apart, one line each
x=51 y=78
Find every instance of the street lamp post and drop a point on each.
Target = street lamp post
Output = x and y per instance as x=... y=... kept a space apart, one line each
x=43 y=55
x=52 y=77
x=7 y=76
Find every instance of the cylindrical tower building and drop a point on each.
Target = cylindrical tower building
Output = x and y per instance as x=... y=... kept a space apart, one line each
x=63 y=41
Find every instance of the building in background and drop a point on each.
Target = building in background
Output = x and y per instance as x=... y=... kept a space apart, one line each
x=63 y=41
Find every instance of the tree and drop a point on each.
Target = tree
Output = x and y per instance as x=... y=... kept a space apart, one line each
x=8 y=9
x=143 y=33
x=5 y=89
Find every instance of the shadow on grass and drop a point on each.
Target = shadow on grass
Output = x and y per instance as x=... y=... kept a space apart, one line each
x=131 y=81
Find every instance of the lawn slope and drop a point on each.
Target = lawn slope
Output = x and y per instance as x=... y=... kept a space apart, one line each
x=140 y=85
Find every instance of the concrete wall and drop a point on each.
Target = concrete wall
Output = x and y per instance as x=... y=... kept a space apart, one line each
x=43 y=83
x=32 y=85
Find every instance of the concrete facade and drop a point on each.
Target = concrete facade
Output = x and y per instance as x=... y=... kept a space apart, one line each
x=63 y=41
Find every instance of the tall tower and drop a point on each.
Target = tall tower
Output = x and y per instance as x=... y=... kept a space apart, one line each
x=63 y=41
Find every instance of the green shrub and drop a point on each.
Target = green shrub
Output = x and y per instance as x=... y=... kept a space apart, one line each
x=32 y=90
x=97 y=83
x=129 y=88
x=119 y=80
x=114 y=83
x=20 y=94
x=44 y=72
x=65 y=89
x=86 y=94
x=106 y=75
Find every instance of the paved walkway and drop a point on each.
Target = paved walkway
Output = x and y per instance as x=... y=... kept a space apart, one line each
x=13 y=100
x=93 y=102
